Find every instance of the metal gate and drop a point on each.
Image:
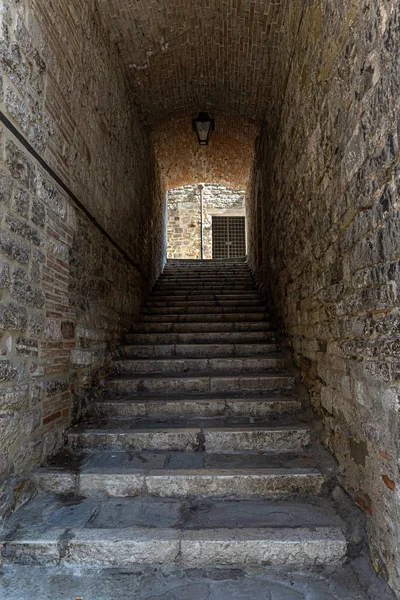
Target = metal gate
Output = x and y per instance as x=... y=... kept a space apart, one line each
x=228 y=237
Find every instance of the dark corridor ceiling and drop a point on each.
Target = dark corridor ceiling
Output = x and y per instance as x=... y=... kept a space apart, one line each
x=224 y=56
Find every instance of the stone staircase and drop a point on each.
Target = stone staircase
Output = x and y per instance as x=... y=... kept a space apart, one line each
x=197 y=453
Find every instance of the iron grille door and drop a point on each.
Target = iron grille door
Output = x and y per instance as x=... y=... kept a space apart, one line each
x=228 y=237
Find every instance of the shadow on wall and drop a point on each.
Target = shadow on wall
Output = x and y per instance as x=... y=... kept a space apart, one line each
x=185 y=225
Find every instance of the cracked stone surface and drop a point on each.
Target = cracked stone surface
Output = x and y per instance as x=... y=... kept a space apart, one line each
x=50 y=583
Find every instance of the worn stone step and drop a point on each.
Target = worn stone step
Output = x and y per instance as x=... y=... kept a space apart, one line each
x=196 y=350
x=211 y=302
x=193 y=271
x=200 y=293
x=195 y=298
x=201 y=338
x=192 y=274
x=212 y=439
x=182 y=483
x=203 y=310
x=208 y=283
x=198 y=328
x=121 y=532
x=67 y=461
x=203 y=268
x=215 y=288
x=212 y=583
x=202 y=384
x=187 y=406
x=207 y=318
x=209 y=280
x=124 y=547
x=232 y=364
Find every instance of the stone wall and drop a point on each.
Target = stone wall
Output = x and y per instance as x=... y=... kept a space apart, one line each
x=184 y=221
x=68 y=289
x=324 y=209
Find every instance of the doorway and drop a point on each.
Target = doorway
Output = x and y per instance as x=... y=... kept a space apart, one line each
x=228 y=237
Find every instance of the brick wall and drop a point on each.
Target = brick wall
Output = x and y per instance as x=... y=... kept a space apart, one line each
x=324 y=213
x=184 y=221
x=227 y=159
x=66 y=291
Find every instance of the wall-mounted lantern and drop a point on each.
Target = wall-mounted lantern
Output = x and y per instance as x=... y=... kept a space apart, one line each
x=203 y=125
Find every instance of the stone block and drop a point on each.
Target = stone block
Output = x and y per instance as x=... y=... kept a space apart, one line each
x=27 y=347
x=56 y=386
x=7 y=371
x=12 y=247
x=259 y=546
x=49 y=193
x=4 y=275
x=5 y=188
x=9 y=429
x=21 y=202
x=17 y=109
x=19 y=165
x=123 y=547
x=15 y=398
x=35 y=325
x=68 y=330
x=22 y=229
x=29 y=421
x=53 y=329
x=28 y=455
x=27 y=295
x=38 y=216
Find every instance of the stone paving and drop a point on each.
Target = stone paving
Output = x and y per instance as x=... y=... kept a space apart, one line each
x=161 y=583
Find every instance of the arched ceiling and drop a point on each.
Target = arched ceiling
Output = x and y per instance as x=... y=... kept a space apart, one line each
x=224 y=56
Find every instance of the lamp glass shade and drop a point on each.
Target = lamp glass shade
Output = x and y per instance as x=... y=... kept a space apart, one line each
x=203 y=125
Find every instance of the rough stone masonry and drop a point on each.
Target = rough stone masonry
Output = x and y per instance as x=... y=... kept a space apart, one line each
x=324 y=218
x=322 y=77
x=66 y=292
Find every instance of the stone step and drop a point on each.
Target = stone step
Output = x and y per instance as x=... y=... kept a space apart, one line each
x=203 y=268
x=188 y=406
x=200 y=298
x=232 y=364
x=196 y=350
x=216 y=583
x=202 y=384
x=207 y=318
x=210 y=288
x=207 y=282
x=202 y=338
x=192 y=274
x=259 y=327
x=201 y=293
x=199 y=280
x=203 y=310
x=214 y=280
x=197 y=263
x=182 y=483
x=204 y=303
x=122 y=532
x=171 y=437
